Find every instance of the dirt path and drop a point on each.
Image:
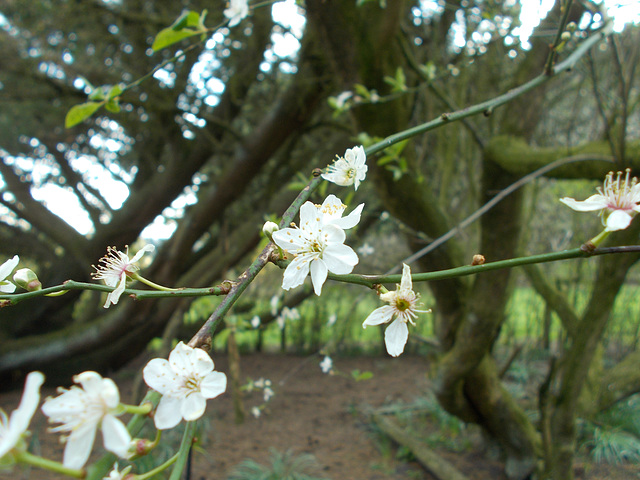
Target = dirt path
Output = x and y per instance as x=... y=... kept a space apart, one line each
x=311 y=412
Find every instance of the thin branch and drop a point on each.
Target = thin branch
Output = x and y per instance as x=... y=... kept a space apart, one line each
x=495 y=200
x=488 y=106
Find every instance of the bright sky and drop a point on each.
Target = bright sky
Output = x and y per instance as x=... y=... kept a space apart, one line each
x=112 y=181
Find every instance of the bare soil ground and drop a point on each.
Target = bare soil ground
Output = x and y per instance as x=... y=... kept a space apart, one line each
x=315 y=413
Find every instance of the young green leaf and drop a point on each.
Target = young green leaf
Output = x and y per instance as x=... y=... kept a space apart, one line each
x=81 y=112
x=187 y=25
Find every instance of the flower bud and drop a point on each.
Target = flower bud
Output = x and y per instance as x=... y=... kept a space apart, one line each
x=268 y=228
x=571 y=26
x=27 y=279
x=566 y=36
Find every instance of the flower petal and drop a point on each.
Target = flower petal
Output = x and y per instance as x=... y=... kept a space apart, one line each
x=405 y=283
x=350 y=220
x=617 y=220
x=193 y=407
x=340 y=259
x=296 y=272
x=395 y=337
x=319 y=274
x=594 y=202
x=379 y=316
x=79 y=445
x=115 y=436
x=159 y=376
x=7 y=267
x=213 y=384
x=141 y=252
x=168 y=412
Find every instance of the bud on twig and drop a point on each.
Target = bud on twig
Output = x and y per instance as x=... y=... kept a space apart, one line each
x=27 y=279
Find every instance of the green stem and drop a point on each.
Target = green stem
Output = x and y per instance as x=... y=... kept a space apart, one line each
x=30 y=459
x=142 y=409
x=183 y=453
x=372 y=280
x=204 y=335
x=598 y=239
x=14 y=298
x=158 y=469
x=140 y=278
x=489 y=105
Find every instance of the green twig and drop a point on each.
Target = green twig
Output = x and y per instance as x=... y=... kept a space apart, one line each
x=372 y=280
x=489 y=105
x=204 y=335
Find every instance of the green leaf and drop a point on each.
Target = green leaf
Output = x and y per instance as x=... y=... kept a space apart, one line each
x=187 y=25
x=112 y=106
x=79 y=113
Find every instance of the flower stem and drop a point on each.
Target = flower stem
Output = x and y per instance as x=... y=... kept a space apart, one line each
x=158 y=469
x=183 y=453
x=30 y=459
x=598 y=239
x=143 y=409
x=140 y=278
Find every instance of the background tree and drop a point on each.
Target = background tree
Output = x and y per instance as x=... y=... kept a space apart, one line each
x=229 y=124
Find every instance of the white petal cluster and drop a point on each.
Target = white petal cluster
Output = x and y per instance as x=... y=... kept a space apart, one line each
x=318 y=244
x=5 y=270
x=115 y=267
x=81 y=410
x=402 y=306
x=185 y=381
x=237 y=10
x=617 y=201
x=12 y=428
x=326 y=365
x=348 y=170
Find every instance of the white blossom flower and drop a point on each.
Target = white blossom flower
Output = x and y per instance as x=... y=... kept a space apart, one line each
x=255 y=411
x=326 y=365
x=267 y=393
x=116 y=267
x=280 y=321
x=617 y=201
x=255 y=321
x=237 y=10
x=80 y=411
x=332 y=209
x=366 y=250
x=274 y=304
x=402 y=306
x=318 y=245
x=5 y=270
x=290 y=313
x=117 y=475
x=333 y=318
x=342 y=98
x=185 y=381
x=12 y=428
x=348 y=170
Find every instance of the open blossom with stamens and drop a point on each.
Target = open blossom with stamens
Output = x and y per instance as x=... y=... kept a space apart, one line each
x=114 y=269
x=617 y=201
x=318 y=244
x=185 y=381
x=5 y=270
x=80 y=411
x=12 y=428
x=402 y=306
x=348 y=170
x=238 y=9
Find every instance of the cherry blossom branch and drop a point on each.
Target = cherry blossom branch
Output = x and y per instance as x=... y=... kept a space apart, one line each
x=372 y=280
x=203 y=337
x=14 y=298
